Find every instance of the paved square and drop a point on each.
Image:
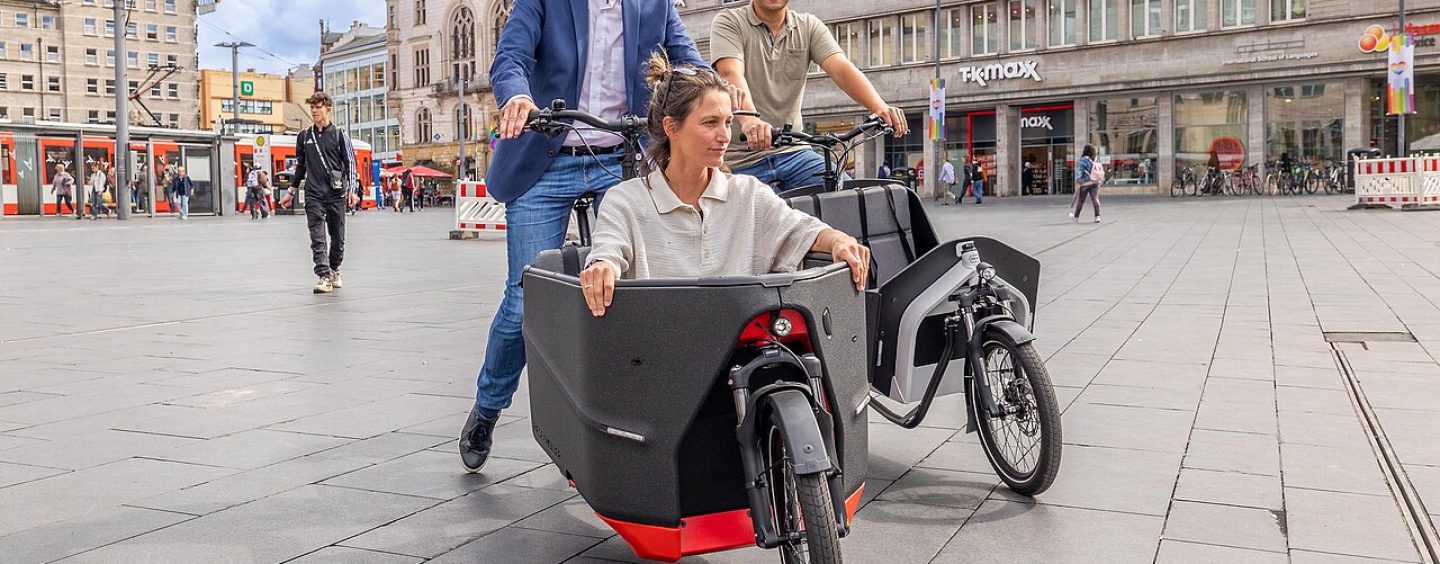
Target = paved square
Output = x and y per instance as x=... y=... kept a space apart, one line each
x=173 y=392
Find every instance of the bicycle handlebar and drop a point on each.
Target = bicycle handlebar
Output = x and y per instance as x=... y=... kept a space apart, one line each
x=788 y=137
x=548 y=120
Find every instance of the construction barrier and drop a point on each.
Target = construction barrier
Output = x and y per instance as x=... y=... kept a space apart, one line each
x=1430 y=180
x=476 y=212
x=1388 y=182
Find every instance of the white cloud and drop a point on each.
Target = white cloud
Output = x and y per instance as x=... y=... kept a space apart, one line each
x=286 y=32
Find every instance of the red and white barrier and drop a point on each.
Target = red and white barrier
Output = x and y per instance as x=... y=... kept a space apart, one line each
x=476 y=212
x=1430 y=180
x=1388 y=182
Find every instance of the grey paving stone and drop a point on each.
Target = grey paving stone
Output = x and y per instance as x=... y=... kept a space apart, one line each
x=1109 y=479
x=250 y=449
x=1408 y=392
x=1126 y=427
x=441 y=528
x=1314 y=400
x=1237 y=417
x=1321 y=429
x=1243 y=368
x=1178 y=552
x=430 y=474
x=519 y=546
x=572 y=517
x=343 y=555
x=249 y=486
x=233 y=394
x=1240 y=527
x=84 y=492
x=1074 y=368
x=1411 y=433
x=960 y=457
x=941 y=487
x=368 y=420
x=1152 y=374
x=1239 y=391
x=1372 y=526
x=274 y=529
x=1426 y=480
x=52 y=542
x=1234 y=452
x=1309 y=557
x=886 y=531
x=11 y=474
x=894 y=450
x=1348 y=469
x=545 y=477
x=1230 y=488
x=1022 y=532
x=1327 y=377
x=381 y=448
x=1131 y=396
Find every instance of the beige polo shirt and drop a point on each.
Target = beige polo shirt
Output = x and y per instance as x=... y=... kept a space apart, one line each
x=775 y=67
x=741 y=228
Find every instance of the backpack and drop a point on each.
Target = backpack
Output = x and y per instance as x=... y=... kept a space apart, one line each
x=1097 y=172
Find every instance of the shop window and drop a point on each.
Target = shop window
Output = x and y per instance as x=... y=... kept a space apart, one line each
x=1287 y=10
x=1190 y=15
x=882 y=42
x=1062 y=18
x=1144 y=18
x=984 y=29
x=1023 y=24
x=1210 y=125
x=1304 y=123
x=1104 y=20
x=1125 y=131
x=1237 y=12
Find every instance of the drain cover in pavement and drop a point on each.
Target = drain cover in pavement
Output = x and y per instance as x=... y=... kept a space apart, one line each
x=1368 y=336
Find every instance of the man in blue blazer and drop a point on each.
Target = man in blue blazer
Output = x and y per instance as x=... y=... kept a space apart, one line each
x=589 y=53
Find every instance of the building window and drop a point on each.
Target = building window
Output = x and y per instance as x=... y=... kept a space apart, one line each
x=1237 y=12
x=1190 y=15
x=1210 y=125
x=52 y=83
x=132 y=30
x=27 y=51
x=22 y=19
x=1144 y=18
x=390 y=16
x=92 y=85
x=172 y=34
x=419 y=12
x=377 y=71
x=952 y=26
x=47 y=22
x=92 y=57
x=1303 y=122
x=169 y=6
x=152 y=32
x=27 y=82
x=1062 y=19
x=395 y=69
x=2 y=50
x=847 y=35
x=175 y=120
x=462 y=44
x=984 y=29
x=110 y=57
x=422 y=126
x=55 y=114
x=1104 y=20
x=914 y=31
x=4 y=82
x=464 y=126
x=110 y=117
x=109 y=28
x=52 y=54
x=172 y=90
x=422 y=67
x=91 y=27
x=132 y=59
x=28 y=112
x=153 y=59
x=110 y=87
x=882 y=41
x=498 y=17
x=155 y=92
x=1287 y=10
x=152 y=6
x=93 y=116
x=1023 y=25
x=171 y=59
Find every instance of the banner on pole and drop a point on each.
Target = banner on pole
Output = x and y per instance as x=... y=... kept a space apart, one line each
x=1401 y=78
x=937 y=109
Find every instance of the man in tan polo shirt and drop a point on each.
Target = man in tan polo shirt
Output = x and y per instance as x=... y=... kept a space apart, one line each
x=766 y=50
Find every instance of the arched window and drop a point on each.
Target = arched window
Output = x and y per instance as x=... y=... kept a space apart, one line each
x=462 y=43
x=499 y=14
x=422 y=126
x=464 y=124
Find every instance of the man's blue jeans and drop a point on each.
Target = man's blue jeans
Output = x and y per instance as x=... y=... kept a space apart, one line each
x=535 y=222
x=787 y=171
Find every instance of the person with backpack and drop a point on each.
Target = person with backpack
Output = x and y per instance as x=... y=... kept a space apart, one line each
x=1088 y=174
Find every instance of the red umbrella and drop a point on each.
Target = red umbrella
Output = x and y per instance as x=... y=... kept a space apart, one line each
x=423 y=171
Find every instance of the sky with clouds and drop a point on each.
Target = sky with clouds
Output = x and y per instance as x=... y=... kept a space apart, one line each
x=285 y=32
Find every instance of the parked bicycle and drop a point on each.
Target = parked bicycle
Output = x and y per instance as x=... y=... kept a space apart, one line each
x=1185 y=183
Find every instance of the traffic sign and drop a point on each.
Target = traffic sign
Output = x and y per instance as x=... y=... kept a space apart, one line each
x=247 y=88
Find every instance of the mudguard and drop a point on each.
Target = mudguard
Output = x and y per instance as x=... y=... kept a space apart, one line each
x=802 y=433
x=1017 y=332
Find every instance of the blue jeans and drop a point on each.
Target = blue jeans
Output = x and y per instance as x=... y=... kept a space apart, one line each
x=979 y=188
x=184 y=203
x=535 y=222
x=787 y=171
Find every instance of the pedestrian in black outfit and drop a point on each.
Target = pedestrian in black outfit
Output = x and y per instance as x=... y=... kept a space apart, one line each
x=325 y=164
x=407 y=190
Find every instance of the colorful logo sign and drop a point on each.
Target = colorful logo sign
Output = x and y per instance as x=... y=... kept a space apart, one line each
x=1374 y=40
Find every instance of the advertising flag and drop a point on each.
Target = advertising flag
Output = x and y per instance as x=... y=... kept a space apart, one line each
x=1401 y=78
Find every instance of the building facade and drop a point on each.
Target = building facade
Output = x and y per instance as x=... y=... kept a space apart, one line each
x=434 y=45
x=57 y=61
x=1153 y=84
x=263 y=101
x=354 y=70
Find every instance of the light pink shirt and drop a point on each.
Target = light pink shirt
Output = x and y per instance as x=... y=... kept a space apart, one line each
x=602 y=91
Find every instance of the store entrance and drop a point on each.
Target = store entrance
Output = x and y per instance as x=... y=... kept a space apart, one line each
x=1046 y=169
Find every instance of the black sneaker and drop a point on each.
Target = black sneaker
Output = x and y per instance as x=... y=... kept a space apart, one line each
x=475 y=441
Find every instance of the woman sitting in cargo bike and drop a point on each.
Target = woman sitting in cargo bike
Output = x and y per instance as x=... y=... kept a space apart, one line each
x=700 y=392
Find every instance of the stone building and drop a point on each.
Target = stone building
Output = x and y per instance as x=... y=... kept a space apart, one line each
x=1154 y=84
x=434 y=45
x=354 y=70
x=266 y=107
x=57 y=60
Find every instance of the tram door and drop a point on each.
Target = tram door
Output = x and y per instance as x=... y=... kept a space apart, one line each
x=197 y=165
x=30 y=196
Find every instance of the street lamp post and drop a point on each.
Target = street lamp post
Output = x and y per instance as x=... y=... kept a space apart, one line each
x=122 y=118
x=234 y=47
x=463 y=130
x=938 y=144
x=1400 y=147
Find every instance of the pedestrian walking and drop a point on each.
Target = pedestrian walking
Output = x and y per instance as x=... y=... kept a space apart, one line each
x=325 y=167
x=407 y=191
x=62 y=185
x=1027 y=180
x=977 y=180
x=97 y=188
x=1088 y=176
x=182 y=187
x=256 y=186
x=947 y=177
x=540 y=178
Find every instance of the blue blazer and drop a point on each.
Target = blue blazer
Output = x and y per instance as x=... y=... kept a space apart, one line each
x=542 y=54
